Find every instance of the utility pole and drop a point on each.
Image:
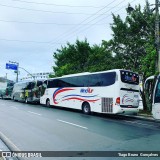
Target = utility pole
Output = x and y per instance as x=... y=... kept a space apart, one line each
x=157 y=34
x=17 y=72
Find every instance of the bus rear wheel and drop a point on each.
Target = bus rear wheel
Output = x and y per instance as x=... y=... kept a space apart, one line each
x=48 y=103
x=86 y=108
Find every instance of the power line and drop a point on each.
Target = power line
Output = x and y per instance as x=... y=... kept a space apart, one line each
x=57 y=5
x=103 y=18
x=45 y=23
x=46 y=11
x=63 y=34
x=14 y=40
x=23 y=41
x=71 y=30
x=68 y=34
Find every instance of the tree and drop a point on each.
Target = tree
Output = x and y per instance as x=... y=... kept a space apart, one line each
x=71 y=58
x=133 y=41
x=131 y=36
x=80 y=57
x=100 y=58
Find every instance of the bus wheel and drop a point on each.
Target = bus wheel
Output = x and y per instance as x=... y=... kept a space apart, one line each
x=48 y=103
x=86 y=108
x=26 y=100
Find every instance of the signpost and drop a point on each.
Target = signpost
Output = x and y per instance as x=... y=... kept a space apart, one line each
x=12 y=66
x=15 y=66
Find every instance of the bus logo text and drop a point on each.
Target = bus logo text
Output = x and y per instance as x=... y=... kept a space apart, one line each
x=88 y=90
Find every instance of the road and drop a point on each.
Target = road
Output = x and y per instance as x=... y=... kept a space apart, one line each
x=32 y=127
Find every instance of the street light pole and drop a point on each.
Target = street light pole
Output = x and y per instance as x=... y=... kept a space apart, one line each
x=157 y=34
x=21 y=68
x=28 y=73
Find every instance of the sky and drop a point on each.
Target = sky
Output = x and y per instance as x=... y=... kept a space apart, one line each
x=32 y=30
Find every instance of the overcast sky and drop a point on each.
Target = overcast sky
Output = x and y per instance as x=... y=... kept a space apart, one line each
x=31 y=30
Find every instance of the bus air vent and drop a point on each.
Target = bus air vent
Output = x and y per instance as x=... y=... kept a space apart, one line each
x=107 y=105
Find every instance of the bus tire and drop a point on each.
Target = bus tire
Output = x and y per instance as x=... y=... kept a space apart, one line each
x=86 y=108
x=48 y=103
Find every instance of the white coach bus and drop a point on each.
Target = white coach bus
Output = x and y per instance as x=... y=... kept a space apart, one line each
x=152 y=89
x=156 y=99
x=113 y=91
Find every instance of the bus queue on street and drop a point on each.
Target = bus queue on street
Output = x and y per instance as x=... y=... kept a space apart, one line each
x=111 y=92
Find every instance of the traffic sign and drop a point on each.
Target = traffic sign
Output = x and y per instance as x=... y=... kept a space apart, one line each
x=11 y=66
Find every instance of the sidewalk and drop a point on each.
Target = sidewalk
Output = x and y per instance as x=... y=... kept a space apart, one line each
x=144 y=117
x=3 y=147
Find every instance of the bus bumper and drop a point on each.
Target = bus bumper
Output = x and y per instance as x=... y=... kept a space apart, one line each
x=129 y=110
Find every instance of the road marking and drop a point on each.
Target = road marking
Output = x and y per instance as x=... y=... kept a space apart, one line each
x=34 y=113
x=14 y=107
x=72 y=124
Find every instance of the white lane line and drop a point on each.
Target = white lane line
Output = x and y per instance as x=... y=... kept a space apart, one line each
x=13 y=107
x=34 y=113
x=72 y=124
x=140 y=123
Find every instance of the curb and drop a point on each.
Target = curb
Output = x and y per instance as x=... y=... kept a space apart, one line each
x=10 y=147
x=144 y=118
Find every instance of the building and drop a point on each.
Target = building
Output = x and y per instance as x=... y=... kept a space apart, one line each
x=41 y=75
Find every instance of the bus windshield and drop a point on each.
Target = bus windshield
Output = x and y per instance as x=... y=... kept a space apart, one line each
x=157 y=92
x=129 y=77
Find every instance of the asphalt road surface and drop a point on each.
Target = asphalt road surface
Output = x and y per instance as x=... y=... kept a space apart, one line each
x=30 y=127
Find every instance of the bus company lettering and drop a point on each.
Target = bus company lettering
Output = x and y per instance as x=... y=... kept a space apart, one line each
x=88 y=90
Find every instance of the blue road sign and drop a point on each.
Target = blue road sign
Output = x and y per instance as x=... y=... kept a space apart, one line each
x=11 y=66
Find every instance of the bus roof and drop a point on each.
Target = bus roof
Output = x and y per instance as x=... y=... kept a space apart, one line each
x=30 y=81
x=89 y=73
x=151 y=77
x=77 y=74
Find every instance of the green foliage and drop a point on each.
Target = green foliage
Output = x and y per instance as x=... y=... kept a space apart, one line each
x=81 y=57
x=149 y=61
x=71 y=58
x=130 y=38
x=133 y=43
x=100 y=59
